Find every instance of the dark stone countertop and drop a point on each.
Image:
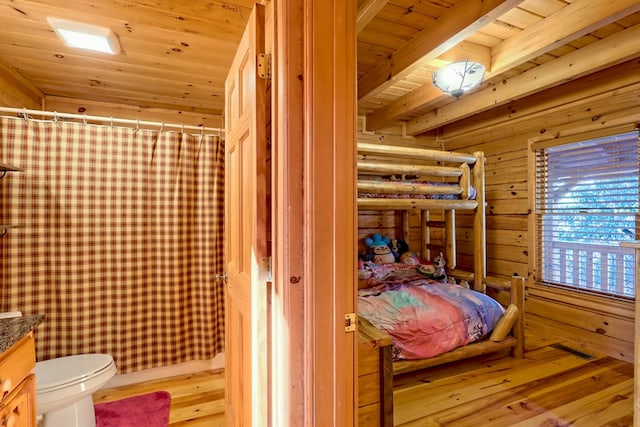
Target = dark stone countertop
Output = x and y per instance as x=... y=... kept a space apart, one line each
x=11 y=330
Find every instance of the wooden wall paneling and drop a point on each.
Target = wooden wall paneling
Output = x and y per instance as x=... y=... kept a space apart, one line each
x=518 y=254
x=17 y=92
x=507 y=207
x=397 y=138
x=550 y=107
x=594 y=101
x=507 y=191
x=591 y=321
x=107 y=109
x=587 y=341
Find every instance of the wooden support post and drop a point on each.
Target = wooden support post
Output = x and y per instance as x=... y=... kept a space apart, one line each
x=406 y=226
x=426 y=238
x=517 y=299
x=465 y=181
x=506 y=322
x=636 y=389
x=479 y=225
x=450 y=238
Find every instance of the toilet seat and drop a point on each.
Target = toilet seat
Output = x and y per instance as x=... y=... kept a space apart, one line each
x=54 y=374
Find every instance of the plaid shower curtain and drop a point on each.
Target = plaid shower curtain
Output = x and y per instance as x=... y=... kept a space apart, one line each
x=122 y=238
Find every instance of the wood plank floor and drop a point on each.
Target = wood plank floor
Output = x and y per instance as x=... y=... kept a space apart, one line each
x=197 y=400
x=550 y=387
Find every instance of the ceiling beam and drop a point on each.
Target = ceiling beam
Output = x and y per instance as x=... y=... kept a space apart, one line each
x=571 y=22
x=607 y=52
x=451 y=28
x=367 y=11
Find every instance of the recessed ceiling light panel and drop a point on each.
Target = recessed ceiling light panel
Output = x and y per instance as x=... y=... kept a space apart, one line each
x=85 y=36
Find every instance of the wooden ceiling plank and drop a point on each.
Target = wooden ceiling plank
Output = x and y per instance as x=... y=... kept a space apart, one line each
x=587 y=90
x=146 y=40
x=37 y=61
x=224 y=19
x=543 y=7
x=140 y=85
x=594 y=57
x=569 y=23
x=457 y=23
x=367 y=11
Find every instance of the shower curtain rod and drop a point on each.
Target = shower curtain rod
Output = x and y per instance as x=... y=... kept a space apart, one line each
x=111 y=120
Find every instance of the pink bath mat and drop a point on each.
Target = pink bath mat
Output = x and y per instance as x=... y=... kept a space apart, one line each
x=146 y=410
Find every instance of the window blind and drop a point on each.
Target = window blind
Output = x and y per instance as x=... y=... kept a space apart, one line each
x=586 y=204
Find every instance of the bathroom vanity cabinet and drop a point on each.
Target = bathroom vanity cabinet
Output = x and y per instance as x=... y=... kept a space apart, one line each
x=18 y=384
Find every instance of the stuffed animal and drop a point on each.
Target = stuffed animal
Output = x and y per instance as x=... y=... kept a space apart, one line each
x=410 y=258
x=378 y=249
x=433 y=269
x=426 y=269
x=398 y=248
x=439 y=264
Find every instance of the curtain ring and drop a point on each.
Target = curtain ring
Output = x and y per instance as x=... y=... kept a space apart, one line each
x=111 y=122
x=161 y=127
x=55 y=117
x=183 y=128
x=84 y=119
x=25 y=116
x=137 y=125
x=202 y=132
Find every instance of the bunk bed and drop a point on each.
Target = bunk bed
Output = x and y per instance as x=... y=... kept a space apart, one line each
x=405 y=179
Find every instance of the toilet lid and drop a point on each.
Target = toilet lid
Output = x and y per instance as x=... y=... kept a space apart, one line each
x=69 y=369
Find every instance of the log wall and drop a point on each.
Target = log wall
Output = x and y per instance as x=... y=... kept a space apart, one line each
x=593 y=102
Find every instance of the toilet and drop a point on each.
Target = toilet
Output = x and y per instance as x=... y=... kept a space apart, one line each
x=64 y=387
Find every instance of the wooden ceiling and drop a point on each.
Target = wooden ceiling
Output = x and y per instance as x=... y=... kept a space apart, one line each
x=176 y=53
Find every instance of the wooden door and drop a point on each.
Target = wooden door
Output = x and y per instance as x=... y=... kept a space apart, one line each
x=246 y=235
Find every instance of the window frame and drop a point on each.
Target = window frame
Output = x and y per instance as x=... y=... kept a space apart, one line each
x=542 y=142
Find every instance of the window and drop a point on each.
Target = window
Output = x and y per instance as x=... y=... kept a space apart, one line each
x=586 y=203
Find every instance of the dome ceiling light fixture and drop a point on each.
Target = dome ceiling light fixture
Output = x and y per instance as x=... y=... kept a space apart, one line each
x=459 y=77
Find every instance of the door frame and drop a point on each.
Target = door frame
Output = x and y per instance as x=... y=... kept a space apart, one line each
x=314 y=212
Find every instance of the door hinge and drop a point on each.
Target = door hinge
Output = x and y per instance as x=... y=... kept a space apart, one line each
x=221 y=277
x=264 y=66
x=350 y=322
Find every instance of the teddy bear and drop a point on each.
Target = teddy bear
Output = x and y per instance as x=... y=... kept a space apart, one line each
x=378 y=249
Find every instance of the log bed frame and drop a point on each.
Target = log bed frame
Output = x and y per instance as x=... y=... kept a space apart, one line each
x=467 y=170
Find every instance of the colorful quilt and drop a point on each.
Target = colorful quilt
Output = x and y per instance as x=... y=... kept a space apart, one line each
x=426 y=318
